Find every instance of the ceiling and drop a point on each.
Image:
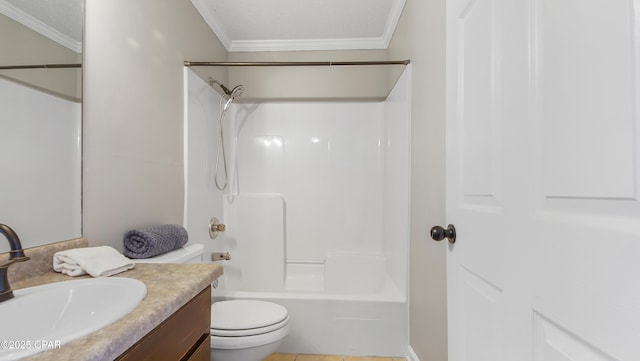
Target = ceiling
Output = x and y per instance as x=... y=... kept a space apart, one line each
x=59 y=20
x=244 y=25
x=281 y=25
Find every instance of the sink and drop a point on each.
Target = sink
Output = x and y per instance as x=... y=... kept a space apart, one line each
x=45 y=317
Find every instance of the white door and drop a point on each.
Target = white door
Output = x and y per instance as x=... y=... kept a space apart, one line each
x=542 y=180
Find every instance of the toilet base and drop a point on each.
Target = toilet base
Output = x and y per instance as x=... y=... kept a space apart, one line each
x=256 y=353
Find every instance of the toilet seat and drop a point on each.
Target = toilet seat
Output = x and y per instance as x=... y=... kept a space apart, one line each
x=246 y=342
x=251 y=331
x=241 y=324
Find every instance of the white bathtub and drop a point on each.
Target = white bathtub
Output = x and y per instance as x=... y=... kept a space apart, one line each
x=364 y=324
x=346 y=305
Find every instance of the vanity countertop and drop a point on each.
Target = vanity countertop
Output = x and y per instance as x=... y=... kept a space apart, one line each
x=169 y=287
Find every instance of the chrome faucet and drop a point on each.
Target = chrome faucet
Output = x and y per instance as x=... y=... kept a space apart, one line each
x=15 y=255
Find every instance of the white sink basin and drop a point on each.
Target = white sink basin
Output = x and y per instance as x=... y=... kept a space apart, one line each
x=45 y=317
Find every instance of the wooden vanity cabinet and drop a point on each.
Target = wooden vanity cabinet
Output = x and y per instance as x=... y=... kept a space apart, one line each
x=185 y=335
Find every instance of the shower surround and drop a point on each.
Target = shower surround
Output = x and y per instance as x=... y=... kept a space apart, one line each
x=317 y=213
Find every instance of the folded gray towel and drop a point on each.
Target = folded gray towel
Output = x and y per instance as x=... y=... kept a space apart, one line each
x=152 y=241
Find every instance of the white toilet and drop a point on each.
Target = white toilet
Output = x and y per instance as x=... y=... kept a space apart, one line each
x=241 y=330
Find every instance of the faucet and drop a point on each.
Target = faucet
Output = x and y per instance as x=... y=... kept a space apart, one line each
x=219 y=256
x=15 y=255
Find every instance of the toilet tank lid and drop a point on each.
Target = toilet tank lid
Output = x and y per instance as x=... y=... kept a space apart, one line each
x=180 y=255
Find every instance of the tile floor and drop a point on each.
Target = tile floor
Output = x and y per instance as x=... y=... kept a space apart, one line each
x=299 y=357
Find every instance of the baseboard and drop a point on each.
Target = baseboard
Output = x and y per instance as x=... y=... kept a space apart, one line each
x=411 y=355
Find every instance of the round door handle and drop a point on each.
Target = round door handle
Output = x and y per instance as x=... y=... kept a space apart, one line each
x=438 y=233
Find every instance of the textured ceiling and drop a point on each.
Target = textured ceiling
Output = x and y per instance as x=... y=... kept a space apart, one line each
x=273 y=25
x=244 y=25
x=60 y=20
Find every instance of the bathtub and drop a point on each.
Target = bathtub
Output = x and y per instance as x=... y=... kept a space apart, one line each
x=361 y=313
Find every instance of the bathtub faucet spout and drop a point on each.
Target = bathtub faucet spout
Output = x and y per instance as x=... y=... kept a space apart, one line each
x=219 y=256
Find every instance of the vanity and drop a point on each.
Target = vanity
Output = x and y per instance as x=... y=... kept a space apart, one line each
x=185 y=335
x=171 y=322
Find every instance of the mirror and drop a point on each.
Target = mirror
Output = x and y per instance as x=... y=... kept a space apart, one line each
x=40 y=119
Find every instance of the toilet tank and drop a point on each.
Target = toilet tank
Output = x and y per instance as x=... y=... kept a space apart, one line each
x=191 y=253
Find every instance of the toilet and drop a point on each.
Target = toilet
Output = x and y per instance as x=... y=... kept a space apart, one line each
x=241 y=330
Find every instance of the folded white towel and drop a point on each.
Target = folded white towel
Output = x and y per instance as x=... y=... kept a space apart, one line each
x=102 y=261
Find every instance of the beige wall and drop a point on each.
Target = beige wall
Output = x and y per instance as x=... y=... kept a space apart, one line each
x=133 y=111
x=420 y=36
x=23 y=46
x=322 y=82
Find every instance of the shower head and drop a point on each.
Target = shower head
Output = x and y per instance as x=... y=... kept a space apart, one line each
x=232 y=95
x=236 y=92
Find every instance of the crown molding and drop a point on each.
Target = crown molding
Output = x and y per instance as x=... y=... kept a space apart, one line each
x=392 y=21
x=39 y=27
x=208 y=17
x=307 y=44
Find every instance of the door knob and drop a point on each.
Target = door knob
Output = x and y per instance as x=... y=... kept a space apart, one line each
x=438 y=233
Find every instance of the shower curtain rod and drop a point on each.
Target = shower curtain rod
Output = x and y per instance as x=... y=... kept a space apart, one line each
x=41 y=66
x=296 y=63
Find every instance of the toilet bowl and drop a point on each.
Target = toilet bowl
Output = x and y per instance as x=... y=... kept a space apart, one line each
x=246 y=330
x=241 y=330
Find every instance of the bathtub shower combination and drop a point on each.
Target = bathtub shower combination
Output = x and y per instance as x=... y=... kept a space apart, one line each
x=316 y=212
